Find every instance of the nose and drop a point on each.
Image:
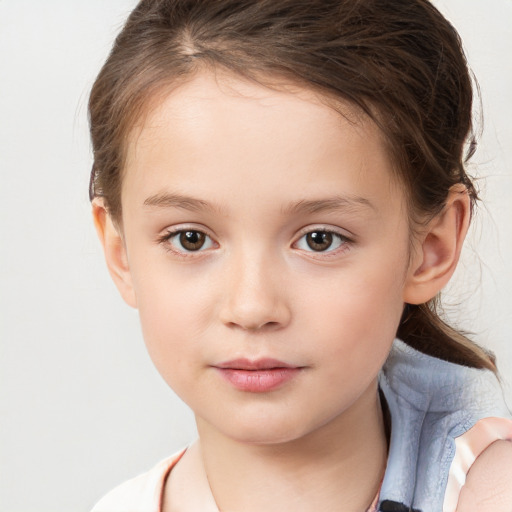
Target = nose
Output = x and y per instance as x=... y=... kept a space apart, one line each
x=254 y=296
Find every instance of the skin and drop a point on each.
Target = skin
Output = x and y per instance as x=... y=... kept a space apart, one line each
x=256 y=169
x=487 y=486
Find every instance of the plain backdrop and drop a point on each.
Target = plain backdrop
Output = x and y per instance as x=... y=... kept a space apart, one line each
x=81 y=406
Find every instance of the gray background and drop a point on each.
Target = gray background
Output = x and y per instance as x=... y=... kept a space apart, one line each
x=81 y=406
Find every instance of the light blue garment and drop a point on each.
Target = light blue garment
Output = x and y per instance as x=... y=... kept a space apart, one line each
x=431 y=402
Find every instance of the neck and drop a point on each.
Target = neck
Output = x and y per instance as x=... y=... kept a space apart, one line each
x=339 y=466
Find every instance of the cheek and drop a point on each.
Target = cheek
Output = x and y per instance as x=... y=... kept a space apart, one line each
x=173 y=314
x=358 y=301
x=173 y=341
x=356 y=318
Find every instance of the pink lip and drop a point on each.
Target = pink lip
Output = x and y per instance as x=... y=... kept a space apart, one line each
x=257 y=376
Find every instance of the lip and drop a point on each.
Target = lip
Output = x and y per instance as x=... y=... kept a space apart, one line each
x=265 y=363
x=259 y=376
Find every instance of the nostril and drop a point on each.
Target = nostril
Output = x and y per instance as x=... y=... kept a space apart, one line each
x=254 y=327
x=266 y=326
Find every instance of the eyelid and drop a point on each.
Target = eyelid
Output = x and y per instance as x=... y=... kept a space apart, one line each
x=347 y=240
x=325 y=228
x=171 y=232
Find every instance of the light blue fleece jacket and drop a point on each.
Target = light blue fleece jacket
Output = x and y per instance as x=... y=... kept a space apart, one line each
x=431 y=403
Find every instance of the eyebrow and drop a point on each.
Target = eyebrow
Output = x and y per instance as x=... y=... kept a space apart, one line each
x=304 y=206
x=165 y=200
x=336 y=203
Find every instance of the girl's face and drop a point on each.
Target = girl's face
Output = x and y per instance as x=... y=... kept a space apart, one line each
x=264 y=230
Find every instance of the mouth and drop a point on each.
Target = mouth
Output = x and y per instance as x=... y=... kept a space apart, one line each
x=258 y=376
x=256 y=365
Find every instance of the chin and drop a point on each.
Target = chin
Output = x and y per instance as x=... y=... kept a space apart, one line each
x=263 y=438
x=266 y=431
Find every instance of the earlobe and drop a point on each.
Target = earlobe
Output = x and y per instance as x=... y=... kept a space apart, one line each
x=438 y=250
x=114 y=250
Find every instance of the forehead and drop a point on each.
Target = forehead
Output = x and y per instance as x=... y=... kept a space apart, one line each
x=213 y=97
x=238 y=132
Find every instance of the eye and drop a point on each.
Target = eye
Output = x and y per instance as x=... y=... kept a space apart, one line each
x=188 y=240
x=321 y=240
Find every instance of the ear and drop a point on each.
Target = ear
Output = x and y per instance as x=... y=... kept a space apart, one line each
x=437 y=251
x=110 y=236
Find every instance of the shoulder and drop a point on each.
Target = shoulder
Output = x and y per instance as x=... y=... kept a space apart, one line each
x=142 y=493
x=487 y=487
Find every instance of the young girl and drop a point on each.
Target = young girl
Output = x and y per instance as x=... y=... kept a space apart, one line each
x=279 y=187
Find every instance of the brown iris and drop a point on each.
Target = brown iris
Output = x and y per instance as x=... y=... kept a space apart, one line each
x=319 y=240
x=192 y=240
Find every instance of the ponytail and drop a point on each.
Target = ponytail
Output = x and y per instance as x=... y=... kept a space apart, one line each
x=423 y=329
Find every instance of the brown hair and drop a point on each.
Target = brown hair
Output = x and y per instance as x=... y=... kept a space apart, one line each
x=400 y=61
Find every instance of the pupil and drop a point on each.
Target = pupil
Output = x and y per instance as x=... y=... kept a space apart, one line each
x=192 y=240
x=319 y=240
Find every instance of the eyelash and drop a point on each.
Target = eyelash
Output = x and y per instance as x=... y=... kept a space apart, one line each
x=343 y=240
x=166 y=241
